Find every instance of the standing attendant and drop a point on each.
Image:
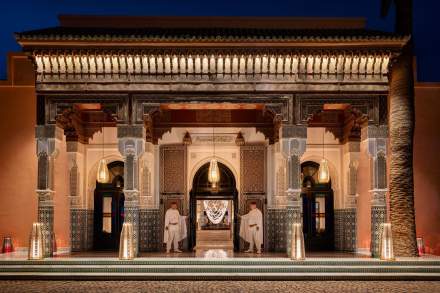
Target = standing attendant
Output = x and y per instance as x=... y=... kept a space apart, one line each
x=175 y=228
x=251 y=228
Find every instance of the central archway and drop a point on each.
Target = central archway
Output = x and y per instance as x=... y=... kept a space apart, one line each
x=202 y=191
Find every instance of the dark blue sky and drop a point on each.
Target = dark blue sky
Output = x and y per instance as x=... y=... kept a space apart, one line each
x=22 y=15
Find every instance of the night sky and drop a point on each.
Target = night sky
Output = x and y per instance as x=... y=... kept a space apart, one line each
x=22 y=15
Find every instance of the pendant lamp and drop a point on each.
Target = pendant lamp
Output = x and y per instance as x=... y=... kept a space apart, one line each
x=323 y=172
x=213 y=171
x=102 y=176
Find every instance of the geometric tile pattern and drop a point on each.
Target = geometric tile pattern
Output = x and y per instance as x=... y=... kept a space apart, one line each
x=378 y=217
x=149 y=230
x=81 y=229
x=276 y=230
x=345 y=230
x=45 y=216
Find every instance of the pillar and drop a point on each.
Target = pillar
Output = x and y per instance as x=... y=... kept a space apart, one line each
x=131 y=144
x=377 y=137
x=79 y=232
x=293 y=143
x=352 y=152
x=46 y=137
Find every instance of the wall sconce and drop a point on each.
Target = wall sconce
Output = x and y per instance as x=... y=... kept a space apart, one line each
x=297 y=251
x=386 y=245
x=36 y=243
x=126 y=245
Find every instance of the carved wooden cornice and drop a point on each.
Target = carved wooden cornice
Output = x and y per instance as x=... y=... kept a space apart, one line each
x=82 y=125
x=208 y=65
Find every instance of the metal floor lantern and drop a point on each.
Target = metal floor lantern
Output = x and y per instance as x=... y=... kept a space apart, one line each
x=297 y=251
x=36 y=242
x=126 y=243
x=386 y=245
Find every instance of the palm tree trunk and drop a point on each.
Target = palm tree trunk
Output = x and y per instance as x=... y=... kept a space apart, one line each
x=401 y=186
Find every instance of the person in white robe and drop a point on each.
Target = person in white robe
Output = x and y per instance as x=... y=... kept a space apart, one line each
x=174 y=228
x=251 y=228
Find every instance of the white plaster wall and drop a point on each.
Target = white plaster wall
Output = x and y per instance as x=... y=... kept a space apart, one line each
x=333 y=153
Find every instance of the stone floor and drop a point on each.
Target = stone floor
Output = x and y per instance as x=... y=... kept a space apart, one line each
x=214 y=286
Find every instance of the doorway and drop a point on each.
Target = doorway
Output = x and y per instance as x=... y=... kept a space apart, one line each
x=213 y=211
x=109 y=209
x=318 y=211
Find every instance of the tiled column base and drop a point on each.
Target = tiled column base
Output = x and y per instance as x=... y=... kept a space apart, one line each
x=150 y=236
x=345 y=230
x=378 y=217
x=131 y=213
x=81 y=229
x=276 y=229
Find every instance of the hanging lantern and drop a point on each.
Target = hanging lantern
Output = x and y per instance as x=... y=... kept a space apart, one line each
x=297 y=251
x=213 y=173
x=323 y=172
x=386 y=245
x=36 y=243
x=102 y=175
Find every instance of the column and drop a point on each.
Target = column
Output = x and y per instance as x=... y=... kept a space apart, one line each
x=78 y=212
x=352 y=152
x=293 y=143
x=46 y=136
x=377 y=137
x=131 y=143
x=149 y=213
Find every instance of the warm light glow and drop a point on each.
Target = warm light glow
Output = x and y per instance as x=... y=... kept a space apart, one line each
x=386 y=245
x=126 y=243
x=297 y=251
x=323 y=172
x=36 y=242
x=213 y=173
x=102 y=175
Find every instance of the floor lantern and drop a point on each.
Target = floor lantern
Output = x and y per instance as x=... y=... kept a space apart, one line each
x=386 y=246
x=297 y=251
x=126 y=243
x=36 y=242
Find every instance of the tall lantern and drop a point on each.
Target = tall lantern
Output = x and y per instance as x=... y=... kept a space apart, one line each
x=213 y=171
x=36 y=242
x=102 y=176
x=323 y=171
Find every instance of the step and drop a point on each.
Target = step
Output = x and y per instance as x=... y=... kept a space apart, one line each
x=228 y=268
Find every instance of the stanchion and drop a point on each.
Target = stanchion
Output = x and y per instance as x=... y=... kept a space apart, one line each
x=297 y=251
x=126 y=245
x=36 y=242
x=386 y=245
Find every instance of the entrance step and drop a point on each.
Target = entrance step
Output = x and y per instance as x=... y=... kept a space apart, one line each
x=221 y=269
x=214 y=239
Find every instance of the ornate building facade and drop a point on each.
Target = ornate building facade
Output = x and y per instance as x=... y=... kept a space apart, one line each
x=274 y=98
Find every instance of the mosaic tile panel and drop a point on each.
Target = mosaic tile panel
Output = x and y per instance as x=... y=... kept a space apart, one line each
x=78 y=229
x=89 y=229
x=149 y=230
x=345 y=230
x=378 y=217
x=45 y=216
x=276 y=230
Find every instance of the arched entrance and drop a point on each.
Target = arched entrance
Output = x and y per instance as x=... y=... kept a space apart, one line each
x=109 y=209
x=203 y=196
x=318 y=211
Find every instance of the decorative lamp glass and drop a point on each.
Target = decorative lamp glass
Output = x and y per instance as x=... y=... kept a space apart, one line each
x=102 y=175
x=323 y=172
x=213 y=173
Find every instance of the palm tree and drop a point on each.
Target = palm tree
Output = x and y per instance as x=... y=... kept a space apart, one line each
x=401 y=127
